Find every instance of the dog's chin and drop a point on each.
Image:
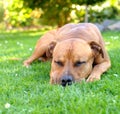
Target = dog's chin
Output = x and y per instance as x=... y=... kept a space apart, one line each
x=57 y=81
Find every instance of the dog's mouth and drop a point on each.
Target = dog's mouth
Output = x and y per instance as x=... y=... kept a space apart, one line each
x=66 y=81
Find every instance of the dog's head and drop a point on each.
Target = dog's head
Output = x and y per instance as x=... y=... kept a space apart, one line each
x=72 y=60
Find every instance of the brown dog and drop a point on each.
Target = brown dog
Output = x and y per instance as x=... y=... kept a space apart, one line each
x=77 y=52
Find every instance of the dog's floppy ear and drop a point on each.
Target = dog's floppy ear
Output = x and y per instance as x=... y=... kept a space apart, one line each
x=50 y=49
x=97 y=49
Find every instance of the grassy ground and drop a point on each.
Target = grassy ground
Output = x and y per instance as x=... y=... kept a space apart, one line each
x=27 y=91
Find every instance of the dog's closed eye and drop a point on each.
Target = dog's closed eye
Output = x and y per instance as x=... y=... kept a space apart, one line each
x=79 y=63
x=59 y=63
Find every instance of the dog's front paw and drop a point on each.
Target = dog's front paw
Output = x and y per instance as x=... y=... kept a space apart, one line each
x=92 y=78
x=26 y=63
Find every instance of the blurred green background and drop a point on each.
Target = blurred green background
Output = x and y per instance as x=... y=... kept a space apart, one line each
x=37 y=13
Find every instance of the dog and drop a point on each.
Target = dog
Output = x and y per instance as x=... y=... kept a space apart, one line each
x=77 y=52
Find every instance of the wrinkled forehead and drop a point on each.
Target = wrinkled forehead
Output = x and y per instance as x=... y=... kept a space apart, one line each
x=72 y=49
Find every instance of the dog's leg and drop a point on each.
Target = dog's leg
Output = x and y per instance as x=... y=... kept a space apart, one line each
x=41 y=47
x=98 y=70
x=38 y=52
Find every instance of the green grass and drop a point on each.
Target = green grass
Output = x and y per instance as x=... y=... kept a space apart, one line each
x=28 y=91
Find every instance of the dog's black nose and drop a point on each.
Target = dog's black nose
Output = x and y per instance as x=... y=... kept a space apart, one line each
x=66 y=80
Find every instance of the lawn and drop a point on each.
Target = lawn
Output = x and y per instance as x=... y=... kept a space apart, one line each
x=27 y=90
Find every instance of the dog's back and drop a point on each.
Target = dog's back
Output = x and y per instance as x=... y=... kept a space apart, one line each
x=86 y=31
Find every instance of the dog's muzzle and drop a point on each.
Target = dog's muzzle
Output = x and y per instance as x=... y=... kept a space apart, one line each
x=66 y=80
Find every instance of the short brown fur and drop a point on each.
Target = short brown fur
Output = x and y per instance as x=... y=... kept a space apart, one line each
x=68 y=45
